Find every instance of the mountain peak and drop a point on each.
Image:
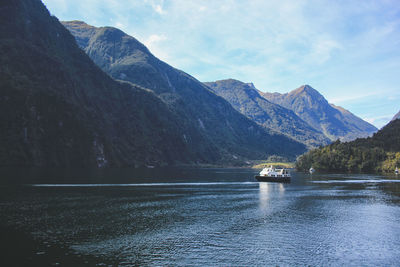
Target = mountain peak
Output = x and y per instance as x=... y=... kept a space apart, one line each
x=245 y=98
x=86 y=35
x=305 y=88
x=77 y=22
x=251 y=85
x=229 y=80
x=313 y=108
x=233 y=82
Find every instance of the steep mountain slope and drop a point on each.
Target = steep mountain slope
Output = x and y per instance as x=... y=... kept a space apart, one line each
x=381 y=152
x=246 y=99
x=58 y=108
x=232 y=134
x=312 y=107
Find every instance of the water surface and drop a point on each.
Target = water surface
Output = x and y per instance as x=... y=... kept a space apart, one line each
x=205 y=217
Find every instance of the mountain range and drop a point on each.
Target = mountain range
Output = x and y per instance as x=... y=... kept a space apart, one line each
x=208 y=118
x=125 y=58
x=245 y=98
x=333 y=121
x=58 y=108
x=99 y=98
x=303 y=114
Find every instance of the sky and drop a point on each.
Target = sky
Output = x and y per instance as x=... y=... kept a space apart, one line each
x=348 y=50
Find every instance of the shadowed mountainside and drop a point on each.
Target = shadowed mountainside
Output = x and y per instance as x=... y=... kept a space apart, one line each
x=59 y=109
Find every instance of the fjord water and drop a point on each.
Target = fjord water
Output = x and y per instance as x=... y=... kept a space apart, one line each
x=204 y=217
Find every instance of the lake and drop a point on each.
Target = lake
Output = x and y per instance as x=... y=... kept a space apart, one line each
x=197 y=217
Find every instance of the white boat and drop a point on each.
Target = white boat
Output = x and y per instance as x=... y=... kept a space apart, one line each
x=312 y=170
x=271 y=174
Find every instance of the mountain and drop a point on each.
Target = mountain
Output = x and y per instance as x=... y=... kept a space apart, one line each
x=57 y=108
x=334 y=122
x=381 y=152
x=213 y=122
x=397 y=116
x=245 y=98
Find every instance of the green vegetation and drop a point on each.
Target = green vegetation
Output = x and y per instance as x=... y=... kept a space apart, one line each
x=379 y=153
x=287 y=165
x=276 y=161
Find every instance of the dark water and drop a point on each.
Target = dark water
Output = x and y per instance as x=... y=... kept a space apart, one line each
x=202 y=217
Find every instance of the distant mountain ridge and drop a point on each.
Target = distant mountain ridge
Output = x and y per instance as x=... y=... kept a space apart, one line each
x=245 y=98
x=335 y=122
x=209 y=120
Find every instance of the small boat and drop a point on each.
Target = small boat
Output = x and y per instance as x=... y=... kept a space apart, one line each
x=396 y=171
x=312 y=170
x=274 y=175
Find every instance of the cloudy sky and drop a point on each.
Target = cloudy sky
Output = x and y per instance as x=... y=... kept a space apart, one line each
x=347 y=50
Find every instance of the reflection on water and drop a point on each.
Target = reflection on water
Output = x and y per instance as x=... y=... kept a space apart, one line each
x=264 y=196
x=268 y=192
x=265 y=187
x=209 y=217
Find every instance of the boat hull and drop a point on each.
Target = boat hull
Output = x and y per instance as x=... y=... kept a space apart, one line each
x=272 y=179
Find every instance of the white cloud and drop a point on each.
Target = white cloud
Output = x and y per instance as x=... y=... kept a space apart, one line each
x=154 y=38
x=159 y=9
x=157 y=6
x=322 y=50
x=155 y=43
x=351 y=97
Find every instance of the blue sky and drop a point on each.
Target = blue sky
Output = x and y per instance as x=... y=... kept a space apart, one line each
x=347 y=50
